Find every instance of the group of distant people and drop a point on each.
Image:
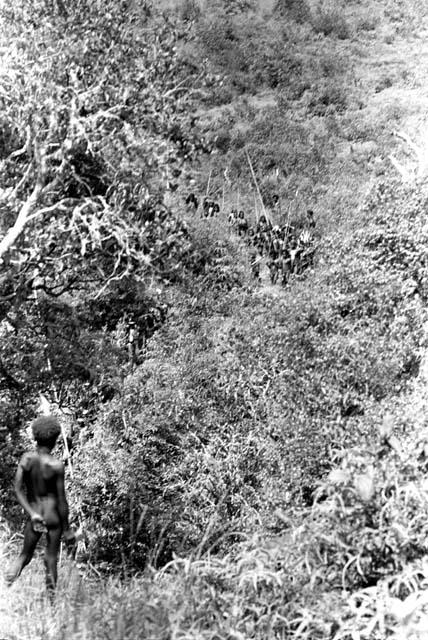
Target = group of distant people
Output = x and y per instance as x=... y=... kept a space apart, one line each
x=288 y=249
x=209 y=208
x=39 y=481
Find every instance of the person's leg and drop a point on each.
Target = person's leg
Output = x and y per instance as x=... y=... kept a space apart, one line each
x=51 y=557
x=31 y=539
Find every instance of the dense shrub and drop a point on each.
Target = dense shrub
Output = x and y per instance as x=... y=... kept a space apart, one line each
x=88 y=153
x=297 y=10
x=327 y=98
x=328 y=20
x=234 y=412
x=384 y=528
x=367 y=23
x=189 y=10
x=252 y=51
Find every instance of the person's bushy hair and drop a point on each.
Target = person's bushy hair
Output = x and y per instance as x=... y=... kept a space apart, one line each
x=46 y=430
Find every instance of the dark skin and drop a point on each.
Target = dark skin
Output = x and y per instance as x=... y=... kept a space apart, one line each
x=39 y=488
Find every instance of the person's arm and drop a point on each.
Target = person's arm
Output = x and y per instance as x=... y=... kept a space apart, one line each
x=21 y=494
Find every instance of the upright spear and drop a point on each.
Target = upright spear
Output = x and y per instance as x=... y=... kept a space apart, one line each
x=267 y=216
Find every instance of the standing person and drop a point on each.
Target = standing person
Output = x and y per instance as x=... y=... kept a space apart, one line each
x=192 y=201
x=243 y=225
x=272 y=264
x=311 y=219
x=254 y=262
x=39 y=488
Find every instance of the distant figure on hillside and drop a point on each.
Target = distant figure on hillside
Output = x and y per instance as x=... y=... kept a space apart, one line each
x=210 y=208
x=254 y=262
x=242 y=225
x=311 y=219
x=39 y=488
x=233 y=218
x=192 y=201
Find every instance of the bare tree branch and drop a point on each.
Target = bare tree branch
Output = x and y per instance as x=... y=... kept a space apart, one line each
x=14 y=232
x=57 y=206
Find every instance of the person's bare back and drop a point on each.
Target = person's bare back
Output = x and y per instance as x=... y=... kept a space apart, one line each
x=40 y=472
x=39 y=488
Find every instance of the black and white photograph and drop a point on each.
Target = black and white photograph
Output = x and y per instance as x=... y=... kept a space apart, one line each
x=213 y=319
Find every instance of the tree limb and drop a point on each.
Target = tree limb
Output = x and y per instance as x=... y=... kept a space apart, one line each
x=21 y=183
x=58 y=206
x=14 y=232
x=25 y=213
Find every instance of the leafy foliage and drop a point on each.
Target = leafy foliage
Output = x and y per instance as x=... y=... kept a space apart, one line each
x=96 y=127
x=297 y=10
x=231 y=414
x=206 y=443
x=329 y=20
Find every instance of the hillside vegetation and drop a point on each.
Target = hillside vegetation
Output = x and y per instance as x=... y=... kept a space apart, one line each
x=247 y=460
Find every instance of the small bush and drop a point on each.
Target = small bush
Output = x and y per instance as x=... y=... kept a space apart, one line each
x=389 y=36
x=385 y=82
x=189 y=10
x=234 y=7
x=330 y=22
x=330 y=97
x=368 y=23
x=386 y=507
x=297 y=10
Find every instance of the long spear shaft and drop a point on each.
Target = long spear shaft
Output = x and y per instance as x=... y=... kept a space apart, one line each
x=257 y=186
x=208 y=184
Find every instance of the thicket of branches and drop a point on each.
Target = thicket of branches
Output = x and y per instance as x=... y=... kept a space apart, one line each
x=95 y=127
